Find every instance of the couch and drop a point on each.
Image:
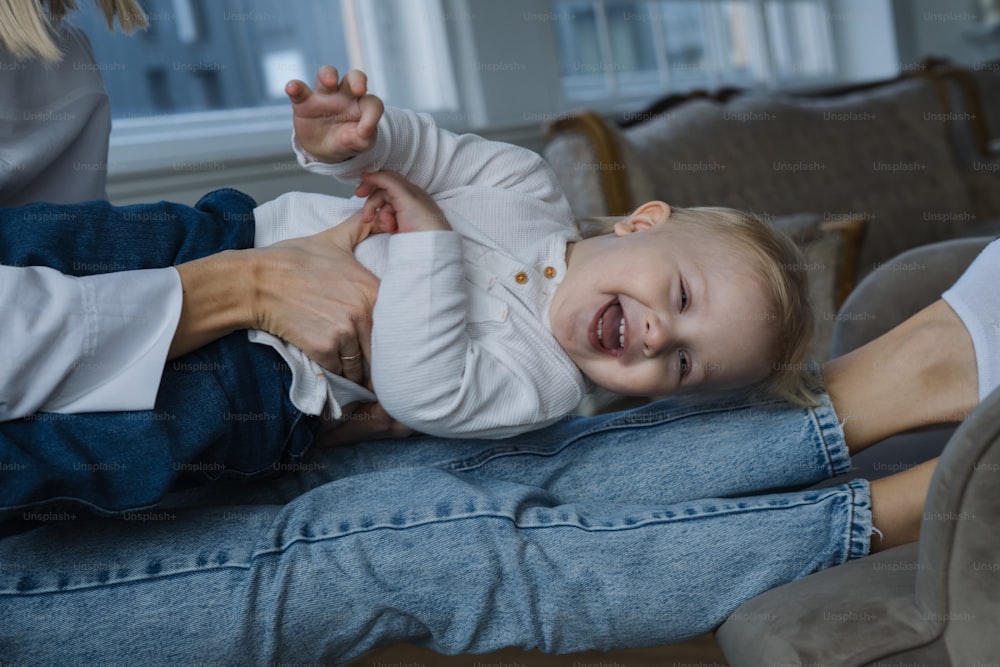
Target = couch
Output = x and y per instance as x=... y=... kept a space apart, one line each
x=805 y=162
x=931 y=603
x=864 y=177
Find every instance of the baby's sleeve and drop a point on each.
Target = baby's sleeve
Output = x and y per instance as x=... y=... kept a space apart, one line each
x=437 y=160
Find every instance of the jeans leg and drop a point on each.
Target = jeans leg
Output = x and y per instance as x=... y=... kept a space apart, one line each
x=443 y=559
x=669 y=451
x=96 y=237
x=221 y=411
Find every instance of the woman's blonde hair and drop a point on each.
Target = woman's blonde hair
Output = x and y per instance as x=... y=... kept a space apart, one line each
x=782 y=268
x=26 y=25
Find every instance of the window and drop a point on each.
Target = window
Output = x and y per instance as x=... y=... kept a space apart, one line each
x=206 y=80
x=200 y=56
x=625 y=47
x=204 y=84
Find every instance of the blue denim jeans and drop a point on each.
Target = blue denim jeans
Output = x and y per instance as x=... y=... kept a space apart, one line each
x=221 y=411
x=626 y=530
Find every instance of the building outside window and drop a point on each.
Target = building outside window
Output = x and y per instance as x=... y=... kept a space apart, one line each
x=237 y=54
x=627 y=47
x=204 y=84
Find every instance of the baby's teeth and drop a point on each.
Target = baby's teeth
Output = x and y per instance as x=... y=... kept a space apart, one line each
x=621 y=334
x=600 y=328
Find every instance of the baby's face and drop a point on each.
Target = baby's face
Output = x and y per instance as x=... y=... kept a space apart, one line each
x=661 y=310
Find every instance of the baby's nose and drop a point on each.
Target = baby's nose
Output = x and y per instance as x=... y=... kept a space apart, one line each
x=656 y=337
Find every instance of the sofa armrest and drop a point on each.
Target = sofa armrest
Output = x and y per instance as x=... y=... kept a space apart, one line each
x=832 y=617
x=900 y=288
x=588 y=157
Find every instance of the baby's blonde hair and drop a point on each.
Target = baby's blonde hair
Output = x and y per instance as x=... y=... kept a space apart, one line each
x=781 y=266
x=26 y=25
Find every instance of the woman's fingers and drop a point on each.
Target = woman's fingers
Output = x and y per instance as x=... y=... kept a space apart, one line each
x=352 y=366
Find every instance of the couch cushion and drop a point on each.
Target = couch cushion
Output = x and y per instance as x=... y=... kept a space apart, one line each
x=882 y=155
x=578 y=169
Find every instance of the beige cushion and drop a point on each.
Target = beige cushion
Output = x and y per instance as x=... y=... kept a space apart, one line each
x=881 y=154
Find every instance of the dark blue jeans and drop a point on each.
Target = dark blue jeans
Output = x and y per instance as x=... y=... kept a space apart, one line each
x=221 y=411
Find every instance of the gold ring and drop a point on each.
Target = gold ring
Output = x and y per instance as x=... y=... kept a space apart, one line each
x=351 y=358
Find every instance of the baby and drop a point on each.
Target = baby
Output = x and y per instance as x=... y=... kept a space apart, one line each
x=493 y=314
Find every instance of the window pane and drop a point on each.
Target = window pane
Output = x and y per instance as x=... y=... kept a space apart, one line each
x=580 y=55
x=632 y=27
x=199 y=55
x=610 y=47
x=631 y=35
x=800 y=39
x=686 y=40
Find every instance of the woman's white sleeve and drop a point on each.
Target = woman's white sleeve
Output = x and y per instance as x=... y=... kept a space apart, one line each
x=90 y=344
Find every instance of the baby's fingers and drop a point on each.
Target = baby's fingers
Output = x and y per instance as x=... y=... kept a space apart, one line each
x=372 y=109
x=297 y=91
x=393 y=183
x=354 y=83
x=376 y=200
x=327 y=79
x=364 y=190
x=379 y=209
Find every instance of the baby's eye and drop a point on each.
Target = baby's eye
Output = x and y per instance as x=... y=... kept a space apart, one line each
x=684 y=299
x=685 y=363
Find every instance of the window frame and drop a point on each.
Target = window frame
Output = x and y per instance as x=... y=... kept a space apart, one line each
x=176 y=145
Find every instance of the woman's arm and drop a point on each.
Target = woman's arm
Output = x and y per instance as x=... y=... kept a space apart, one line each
x=97 y=343
x=83 y=344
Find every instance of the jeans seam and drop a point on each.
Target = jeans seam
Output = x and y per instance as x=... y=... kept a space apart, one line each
x=819 y=497
x=278 y=551
x=858 y=546
x=617 y=424
x=828 y=426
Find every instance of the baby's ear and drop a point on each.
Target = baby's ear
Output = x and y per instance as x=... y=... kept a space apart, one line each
x=647 y=216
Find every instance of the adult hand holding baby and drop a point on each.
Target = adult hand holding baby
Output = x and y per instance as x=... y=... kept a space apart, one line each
x=326 y=322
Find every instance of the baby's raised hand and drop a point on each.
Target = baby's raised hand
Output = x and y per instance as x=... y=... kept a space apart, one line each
x=337 y=120
x=398 y=205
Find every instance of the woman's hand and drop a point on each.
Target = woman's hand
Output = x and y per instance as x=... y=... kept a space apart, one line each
x=310 y=291
x=313 y=293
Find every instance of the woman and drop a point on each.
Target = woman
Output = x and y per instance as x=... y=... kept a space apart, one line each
x=55 y=117
x=624 y=530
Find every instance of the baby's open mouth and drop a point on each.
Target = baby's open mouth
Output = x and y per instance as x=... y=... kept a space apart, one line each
x=609 y=328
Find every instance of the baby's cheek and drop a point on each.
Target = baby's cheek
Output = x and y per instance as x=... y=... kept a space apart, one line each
x=655 y=378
